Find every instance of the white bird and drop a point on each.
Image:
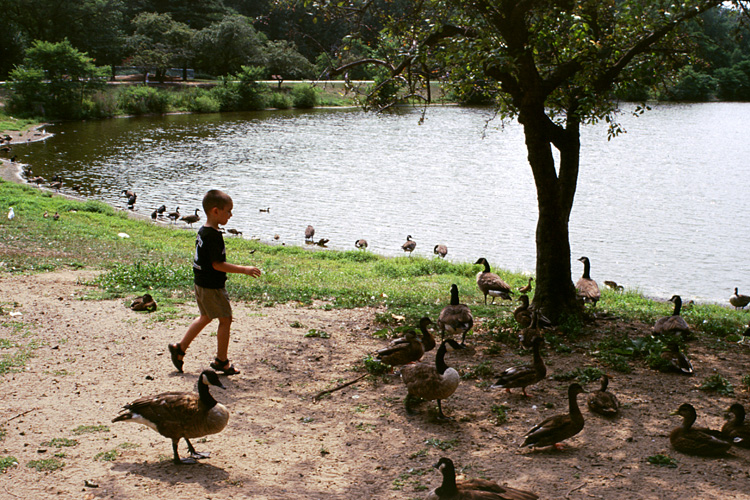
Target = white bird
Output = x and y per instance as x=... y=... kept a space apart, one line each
x=11 y=214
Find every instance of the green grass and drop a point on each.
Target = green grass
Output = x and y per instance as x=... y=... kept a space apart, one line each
x=7 y=462
x=11 y=123
x=46 y=464
x=90 y=429
x=60 y=442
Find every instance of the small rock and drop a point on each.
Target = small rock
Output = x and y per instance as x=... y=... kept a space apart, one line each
x=90 y=484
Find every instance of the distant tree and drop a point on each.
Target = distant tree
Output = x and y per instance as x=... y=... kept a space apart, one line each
x=197 y=14
x=54 y=80
x=224 y=47
x=283 y=59
x=692 y=86
x=734 y=82
x=159 y=42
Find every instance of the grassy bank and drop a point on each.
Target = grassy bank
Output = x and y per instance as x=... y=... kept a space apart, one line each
x=156 y=258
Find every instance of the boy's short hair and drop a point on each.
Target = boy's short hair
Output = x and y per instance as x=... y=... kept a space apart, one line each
x=215 y=198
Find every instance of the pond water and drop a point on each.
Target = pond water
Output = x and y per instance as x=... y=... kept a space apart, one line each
x=660 y=208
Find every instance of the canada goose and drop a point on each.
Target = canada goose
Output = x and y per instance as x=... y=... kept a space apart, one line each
x=234 y=231
x=13 y=158
x=455 y=318
x=189 y=219
x=361 y=244
x=523 y=376
x=587 y=288
x=131 y=200
x=472 y=489
x=559 y=427
x=431 y=381
x=309 y=233
x=673 y=324
x=440 y=250
x=56 y=185
x=614 y=286
x=322 y=242
x=490 y=283
x=266 y=210
x=55 y=178
x=38 y=180
x=696 y=440
x=161 y=209
x=428 y=341
x=603 y=402
x=127 y=193
x=173 y=216
x=401 y=351
x=409 y=245
x=181 y=415
x=739 y=301
x=154 y=214
x=527 y=288
x=676 y=360
x=11 y=214
x=736 y=427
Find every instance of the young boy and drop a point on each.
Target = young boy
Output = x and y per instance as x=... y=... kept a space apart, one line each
x=210 y=270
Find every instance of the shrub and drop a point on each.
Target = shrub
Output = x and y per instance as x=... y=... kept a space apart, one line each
x=305 y=97
x=280 y=101
x=140 y=100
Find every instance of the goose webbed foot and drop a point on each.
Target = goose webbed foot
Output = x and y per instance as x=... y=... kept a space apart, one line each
x=197 y=455
x=441 y=416
x=181 y=461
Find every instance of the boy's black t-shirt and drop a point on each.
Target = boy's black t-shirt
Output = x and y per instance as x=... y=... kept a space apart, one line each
x=209 y=248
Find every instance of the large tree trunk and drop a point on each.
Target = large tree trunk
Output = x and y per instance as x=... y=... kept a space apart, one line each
x=555 y=293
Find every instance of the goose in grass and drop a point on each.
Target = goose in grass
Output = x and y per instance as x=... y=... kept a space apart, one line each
x=190 y=219
x=674 y=324
x=455 y=318
x=440 y=250
x=738 y=300
x=736 y=429
x=234 y=231
x=554 y=430
x=181 y=415
x=587 y=288
x=361 y=244
x=602 y=401
x=472 y=489
x=523 y=376
x=431 y=381
x=409 y=245
x=491 y=284
x=696 y=440
x=614 y=286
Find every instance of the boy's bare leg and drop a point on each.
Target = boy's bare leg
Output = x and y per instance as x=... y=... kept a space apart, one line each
x=193 y=330
x=222 y=338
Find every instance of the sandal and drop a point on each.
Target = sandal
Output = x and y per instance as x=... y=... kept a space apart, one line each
x=224 y=367
x=175 y=350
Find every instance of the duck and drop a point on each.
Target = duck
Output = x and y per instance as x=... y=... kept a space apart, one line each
x=361 y=244
x=491 y=284
x=455 y=318
x=234 y=231
x=440 y=250
x=154 y=214
x=736 y=429
x=739 y=301
x=431 y=381
x=322 y=242
x=309 y=233
x=523 y=375
x=613 y=285
x=603 y=402
x=559 y=427
x=173 y=216
x=587 y=288
x=56 y=216
x=676 y=360
x=144 y=303
x=472 y=489
x=56 y=185
x=527 y=288
x=401 y=351
x=522 y=313
x=265 y=210
x=534 y=330
x=409 y=245
x=674 y=324
x=181 y=415
x=190 y=219
x=696 y=440
x=127 y=193
x=162 y=209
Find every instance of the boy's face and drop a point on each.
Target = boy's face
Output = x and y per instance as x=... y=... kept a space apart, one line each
x=223 y=214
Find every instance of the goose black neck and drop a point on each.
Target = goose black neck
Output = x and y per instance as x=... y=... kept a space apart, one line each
x=605 y=383
x=448 y=488
x=440 y=365
x=454 y=296
x=205 y=396
x=587 y=269
x=486 y=266
x=677 y=306
x=739 y=414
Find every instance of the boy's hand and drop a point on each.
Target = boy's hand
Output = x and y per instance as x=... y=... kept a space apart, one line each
x=252 y=271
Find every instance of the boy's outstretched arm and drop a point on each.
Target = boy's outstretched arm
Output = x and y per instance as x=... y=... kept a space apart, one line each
x=226 y=267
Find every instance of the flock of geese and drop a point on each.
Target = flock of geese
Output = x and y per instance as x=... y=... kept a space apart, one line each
x=184 y=415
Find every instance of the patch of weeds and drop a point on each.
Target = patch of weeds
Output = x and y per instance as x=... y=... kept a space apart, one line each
x=583 y=375
x=106 y=456
x=662 y=461
x=493 y=349
x=557 y=344
x=47 y=464
x=60 y=442
x=482 y=370
x=296 y=324
x=7 y=462
x=90 y=429
x=717 y=383
x=306 y=420
x=745 y=385
x=3 y=432
x=362 y=426
x=418 y=454
x=375 y=366
x=320 y=334
x=440 y=444
x=501 y=413
x=361 y=408
x=128 y=446
x=324 y=451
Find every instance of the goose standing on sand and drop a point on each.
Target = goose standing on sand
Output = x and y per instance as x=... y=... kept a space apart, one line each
x=472 y=489
x=361 y=244
x=455 y=318
x=440 y=250
x=555 y=429
x=181 y=415
x=190 y=219
x=431 y=381
x=674 y=324
x=402 y=351
x=739 y=301
x=309 y=233
x=587 y=288
x=409 y=245
x=491 y=284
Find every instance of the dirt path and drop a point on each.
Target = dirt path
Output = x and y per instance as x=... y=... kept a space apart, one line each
x=95 y=356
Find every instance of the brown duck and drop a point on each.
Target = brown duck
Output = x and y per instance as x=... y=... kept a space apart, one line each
x=560 y=427
x=696 y=440
x=524 y=375
x=603 y=402
x=472 y=489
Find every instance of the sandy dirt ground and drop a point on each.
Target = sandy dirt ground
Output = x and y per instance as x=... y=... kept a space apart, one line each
x=94 y=356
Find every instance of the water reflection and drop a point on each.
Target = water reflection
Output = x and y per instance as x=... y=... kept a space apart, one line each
x=656 y=208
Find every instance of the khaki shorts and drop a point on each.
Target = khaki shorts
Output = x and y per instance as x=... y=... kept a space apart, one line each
x=213 y=302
